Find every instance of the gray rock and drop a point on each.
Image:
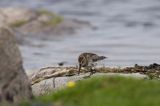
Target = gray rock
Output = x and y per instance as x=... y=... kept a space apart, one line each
x=49 y=85
x=62 y=81
x=11 y=15
x=44 y=87
x=14 y=83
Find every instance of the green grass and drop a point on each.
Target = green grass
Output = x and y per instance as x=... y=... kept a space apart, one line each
x=107 y=91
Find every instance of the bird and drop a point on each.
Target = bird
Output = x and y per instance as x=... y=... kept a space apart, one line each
x=87 y=60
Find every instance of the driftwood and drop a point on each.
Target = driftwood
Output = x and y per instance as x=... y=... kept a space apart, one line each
x=50 y=72
x=152 y=70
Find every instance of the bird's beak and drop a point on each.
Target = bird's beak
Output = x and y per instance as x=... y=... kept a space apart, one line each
x=104 y=57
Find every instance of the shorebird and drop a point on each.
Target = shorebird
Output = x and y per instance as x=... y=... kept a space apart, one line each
x=87 y=60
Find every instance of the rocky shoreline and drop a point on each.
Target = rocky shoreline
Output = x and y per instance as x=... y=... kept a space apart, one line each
x=39 y=24
x=51 y=78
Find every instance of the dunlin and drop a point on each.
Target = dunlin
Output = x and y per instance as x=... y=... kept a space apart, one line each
x=87 y=60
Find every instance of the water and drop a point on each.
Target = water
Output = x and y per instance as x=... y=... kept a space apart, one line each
x=127 y=32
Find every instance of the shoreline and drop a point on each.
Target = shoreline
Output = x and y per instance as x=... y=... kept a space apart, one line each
x=52 y=78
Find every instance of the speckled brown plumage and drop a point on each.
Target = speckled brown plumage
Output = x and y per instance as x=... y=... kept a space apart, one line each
x=87 y=60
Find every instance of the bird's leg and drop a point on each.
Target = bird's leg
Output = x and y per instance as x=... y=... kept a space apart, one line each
x=79 y=68
x=91 y=71
x=93 y=67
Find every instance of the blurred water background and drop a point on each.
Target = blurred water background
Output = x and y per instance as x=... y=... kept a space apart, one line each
x=126 y=31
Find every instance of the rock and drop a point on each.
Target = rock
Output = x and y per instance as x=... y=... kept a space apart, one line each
x=38 y=24
x=44 y=87
x=14 y=83
x=49 y=85
x=62 y=81
x=47 y=30
x=2 y=19
x=16 y=14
